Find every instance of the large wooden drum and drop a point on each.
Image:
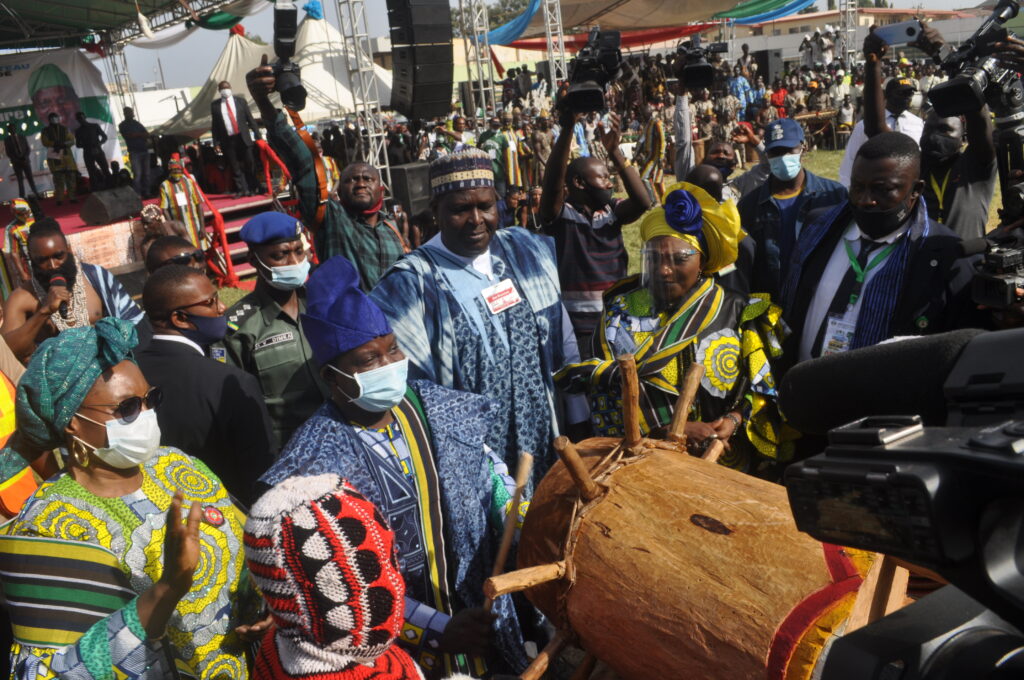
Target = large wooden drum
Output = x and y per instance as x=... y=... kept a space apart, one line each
x=685 y=569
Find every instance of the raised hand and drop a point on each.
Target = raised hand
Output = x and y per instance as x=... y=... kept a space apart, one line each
x=181 y=546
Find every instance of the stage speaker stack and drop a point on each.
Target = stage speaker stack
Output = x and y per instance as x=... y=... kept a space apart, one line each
x=110 y=205
x=421 y=50
x=410 y=185
x=467 y=87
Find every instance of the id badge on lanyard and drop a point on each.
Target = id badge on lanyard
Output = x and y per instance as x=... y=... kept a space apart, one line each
x=501 y=296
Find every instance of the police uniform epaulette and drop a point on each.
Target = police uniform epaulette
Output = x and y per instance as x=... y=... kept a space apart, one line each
x=240 y=314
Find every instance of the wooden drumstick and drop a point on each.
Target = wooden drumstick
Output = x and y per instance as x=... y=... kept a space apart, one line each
x=521 y=579
x=508 y=533
x=630 y=400
x=566 y=450
x=691 y=383
x=551 y=651
x=714 y=451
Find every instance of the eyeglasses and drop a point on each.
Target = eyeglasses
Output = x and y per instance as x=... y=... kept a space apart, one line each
x=210 y=302
x=129 y=409
x=186 y=258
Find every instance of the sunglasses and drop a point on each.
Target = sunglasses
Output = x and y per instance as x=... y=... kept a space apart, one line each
x=185 y=258
x=129 y=409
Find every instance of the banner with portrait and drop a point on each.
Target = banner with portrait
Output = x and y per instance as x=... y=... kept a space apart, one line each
x=35 y=84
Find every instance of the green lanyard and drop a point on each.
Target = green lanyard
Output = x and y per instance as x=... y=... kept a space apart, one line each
x=861 y=273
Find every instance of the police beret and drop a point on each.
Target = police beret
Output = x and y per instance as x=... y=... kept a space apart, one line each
x=271 y=227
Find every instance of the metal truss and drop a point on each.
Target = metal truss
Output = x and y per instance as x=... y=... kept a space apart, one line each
x=122 y=79
x=553 y=34
x=363 y=82
x=480 y=54
x=847 y=35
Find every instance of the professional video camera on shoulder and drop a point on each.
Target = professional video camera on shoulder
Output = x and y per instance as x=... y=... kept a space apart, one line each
x=975 y=75
x=289 y=79
x=595 y=65
x=697 y=71
x=949 y=498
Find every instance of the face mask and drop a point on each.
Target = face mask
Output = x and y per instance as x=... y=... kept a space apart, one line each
x=380 y=389
x=208 y=330
x=225 y=93
x=128 y=444
x=897 y=104
x=599 y=197
x=289 y=276
x=878 y=223
x=174 y=177
x=785 y=167
x=940 y=148
x=724 y=167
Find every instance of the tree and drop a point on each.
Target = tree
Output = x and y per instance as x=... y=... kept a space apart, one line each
x=831 y=5
x=498 y=13
x=810 y=9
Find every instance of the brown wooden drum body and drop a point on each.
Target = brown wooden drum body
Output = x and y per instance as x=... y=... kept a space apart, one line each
x=685 y=569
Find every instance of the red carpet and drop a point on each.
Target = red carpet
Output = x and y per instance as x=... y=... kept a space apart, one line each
x=70 y=223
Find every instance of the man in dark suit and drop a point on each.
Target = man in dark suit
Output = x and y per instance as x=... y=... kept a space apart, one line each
x=212 y=411
x=876 y=266
x=234 y=128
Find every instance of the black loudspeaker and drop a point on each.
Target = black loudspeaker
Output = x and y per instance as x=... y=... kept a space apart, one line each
x=544 y=69
x=465 y=88
x=110 y=205
x=419 y=22
x=769 y=65
x=410 y=185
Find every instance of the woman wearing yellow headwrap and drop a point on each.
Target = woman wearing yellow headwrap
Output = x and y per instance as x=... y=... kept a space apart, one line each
x=674 y=314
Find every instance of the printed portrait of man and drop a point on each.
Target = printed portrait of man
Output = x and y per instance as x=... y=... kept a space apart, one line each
x=51 y=92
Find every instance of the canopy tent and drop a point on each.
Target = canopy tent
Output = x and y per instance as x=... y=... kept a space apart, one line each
x=629 y=38
x=629 y=15
x=70 y=23
x=319 y=51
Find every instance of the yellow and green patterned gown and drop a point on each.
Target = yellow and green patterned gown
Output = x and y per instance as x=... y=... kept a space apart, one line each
x=734 y=337
x=129 y=534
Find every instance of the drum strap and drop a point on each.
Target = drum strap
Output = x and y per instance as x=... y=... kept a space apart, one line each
x=318 y=166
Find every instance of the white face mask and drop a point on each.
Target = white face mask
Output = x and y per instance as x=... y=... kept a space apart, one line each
x=128 y=444
x=225 y=93
x=380 y=389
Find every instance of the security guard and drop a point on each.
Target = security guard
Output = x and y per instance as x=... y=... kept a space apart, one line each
x=264 y=336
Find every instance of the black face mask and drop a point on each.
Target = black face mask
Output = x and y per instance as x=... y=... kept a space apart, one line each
x=940 y=148
x=897 y=104
x=599 y=198
x=69 y=270
x=879 y=223
x=724 y=167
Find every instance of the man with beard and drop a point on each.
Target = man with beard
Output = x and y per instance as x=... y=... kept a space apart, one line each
x=899 y=92
x=958 y=182
x=357 y=225
x=577 y=209
x=876 y=266
x=62 y=293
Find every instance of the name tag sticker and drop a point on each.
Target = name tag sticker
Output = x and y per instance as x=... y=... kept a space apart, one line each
x=501 y=296
x=838 y=336
x=179 y=198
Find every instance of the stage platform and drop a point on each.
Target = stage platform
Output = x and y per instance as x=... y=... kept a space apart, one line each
x=115 y=246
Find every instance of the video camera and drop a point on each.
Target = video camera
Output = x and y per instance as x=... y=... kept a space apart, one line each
x=595 y=65
x=697 y=72
x=947 y=498
x=289 y=79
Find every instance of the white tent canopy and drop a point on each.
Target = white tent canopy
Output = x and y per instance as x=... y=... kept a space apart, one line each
x=629 y=15
x=319 y=51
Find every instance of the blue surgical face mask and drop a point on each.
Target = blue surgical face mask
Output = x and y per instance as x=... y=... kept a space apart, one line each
x=380 y=389
x=289 y=276
x=785 y=167
x=208 y=329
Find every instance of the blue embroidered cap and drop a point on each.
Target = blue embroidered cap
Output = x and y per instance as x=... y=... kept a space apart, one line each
x=466 y=169
x=270 y=227
x=784 y=132
x=339 y=316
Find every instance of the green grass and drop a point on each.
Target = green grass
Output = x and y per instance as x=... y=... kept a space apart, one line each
x=822 y=163
x=230 y=296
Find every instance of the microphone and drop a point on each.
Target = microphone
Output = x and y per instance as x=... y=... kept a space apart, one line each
x=895 y=378
x=57 y=279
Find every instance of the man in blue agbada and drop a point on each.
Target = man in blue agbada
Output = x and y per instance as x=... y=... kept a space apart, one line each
x=418 y=451
x=478 y=308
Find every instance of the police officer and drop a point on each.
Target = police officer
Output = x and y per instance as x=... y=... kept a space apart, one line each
x=264 y=336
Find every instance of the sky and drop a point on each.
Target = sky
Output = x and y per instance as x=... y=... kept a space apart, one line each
x=189 y=62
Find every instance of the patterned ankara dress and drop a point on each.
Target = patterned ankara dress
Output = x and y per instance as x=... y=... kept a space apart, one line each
x=734 y=337
x=124 y=536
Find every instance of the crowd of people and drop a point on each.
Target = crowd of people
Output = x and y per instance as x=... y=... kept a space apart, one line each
x=312 y=482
